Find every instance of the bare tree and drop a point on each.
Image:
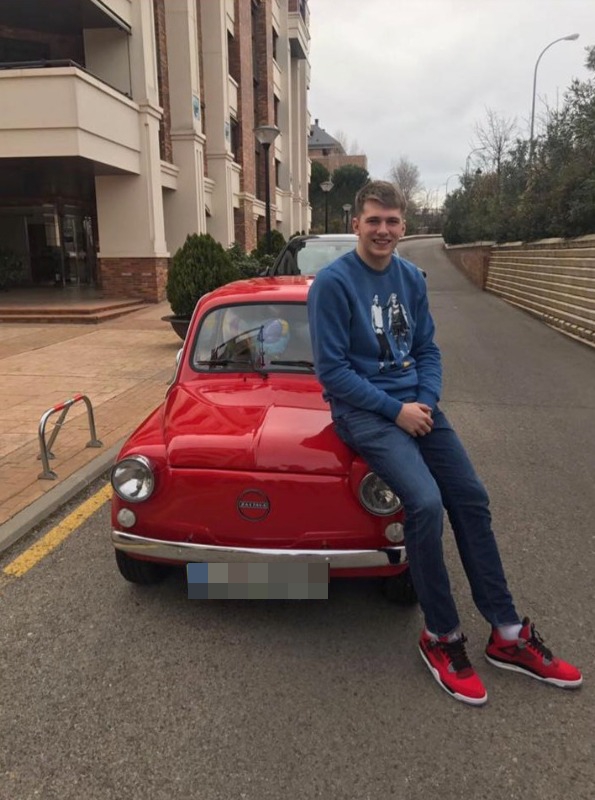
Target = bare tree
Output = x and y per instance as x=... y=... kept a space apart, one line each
x=354 y=149
x=406 y=175
x=495 y=137
x=341 y=137
x=349 y=147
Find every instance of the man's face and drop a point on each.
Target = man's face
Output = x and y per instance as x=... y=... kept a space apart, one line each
x=379 y=229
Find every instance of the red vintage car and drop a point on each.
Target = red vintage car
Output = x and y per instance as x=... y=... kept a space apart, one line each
x=241 y=463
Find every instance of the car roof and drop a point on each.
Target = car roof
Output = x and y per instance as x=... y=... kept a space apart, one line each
x=282 y=288
x=325 y=237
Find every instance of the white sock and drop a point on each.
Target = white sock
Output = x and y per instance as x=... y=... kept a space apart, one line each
x=509 y=632
x=451 y=637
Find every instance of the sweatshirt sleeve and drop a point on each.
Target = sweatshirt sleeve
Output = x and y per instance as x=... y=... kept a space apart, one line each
x=426 y=353
x=329 y=315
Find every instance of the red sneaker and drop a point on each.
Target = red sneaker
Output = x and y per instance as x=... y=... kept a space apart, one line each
x=529 y=655
x=448 y=663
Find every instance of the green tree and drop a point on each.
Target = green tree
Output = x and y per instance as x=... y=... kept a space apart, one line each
x=551 y=194
x=347 y=181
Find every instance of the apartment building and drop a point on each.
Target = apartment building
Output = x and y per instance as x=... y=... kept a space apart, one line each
x=128 y=124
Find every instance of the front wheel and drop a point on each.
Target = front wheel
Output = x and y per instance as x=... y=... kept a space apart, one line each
x=400 y=589
x=140 y=572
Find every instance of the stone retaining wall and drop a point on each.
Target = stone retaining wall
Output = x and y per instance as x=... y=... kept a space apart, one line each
x=553 y=279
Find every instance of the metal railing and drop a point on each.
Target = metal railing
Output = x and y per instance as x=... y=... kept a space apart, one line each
x=45 y=63
x=45 y=448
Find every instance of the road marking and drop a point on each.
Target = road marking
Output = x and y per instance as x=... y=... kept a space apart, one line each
x=53 y=538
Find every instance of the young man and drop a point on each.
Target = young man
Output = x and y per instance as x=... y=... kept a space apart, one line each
x=386 y=409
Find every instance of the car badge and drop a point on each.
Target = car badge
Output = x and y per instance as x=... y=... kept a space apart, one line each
x=253 y=505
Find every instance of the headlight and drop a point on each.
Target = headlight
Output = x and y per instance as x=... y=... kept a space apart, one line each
x=376 y=497
x=133 y=479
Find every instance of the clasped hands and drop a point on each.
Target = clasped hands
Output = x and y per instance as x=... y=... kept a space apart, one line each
x=415 y=419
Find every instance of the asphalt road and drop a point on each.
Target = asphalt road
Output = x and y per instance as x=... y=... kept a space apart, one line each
x=113 y=691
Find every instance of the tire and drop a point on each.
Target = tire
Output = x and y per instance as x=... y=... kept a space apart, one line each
x=399 y=589
x=144 y=573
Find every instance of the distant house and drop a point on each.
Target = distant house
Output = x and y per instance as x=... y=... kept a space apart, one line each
x=325 y=149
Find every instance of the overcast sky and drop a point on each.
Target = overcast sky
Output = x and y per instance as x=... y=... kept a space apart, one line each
x=413 y=77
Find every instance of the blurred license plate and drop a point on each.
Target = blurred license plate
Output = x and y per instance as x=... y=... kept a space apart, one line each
x=262 y=581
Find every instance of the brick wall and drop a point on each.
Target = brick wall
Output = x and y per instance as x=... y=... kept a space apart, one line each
x=142 y=278
x=244 y=225
x=165 y=144
x=473 y=260
x=241 y=68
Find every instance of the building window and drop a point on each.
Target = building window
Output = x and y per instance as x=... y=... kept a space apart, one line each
x=276 y=103
x=235 y=139
x=275 y=44
x=277 y=171
x=233 y=57
x=255 y=70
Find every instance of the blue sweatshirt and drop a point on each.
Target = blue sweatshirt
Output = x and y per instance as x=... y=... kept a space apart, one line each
x=373 y=336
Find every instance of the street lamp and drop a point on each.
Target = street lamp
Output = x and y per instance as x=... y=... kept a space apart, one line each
x=266 y=135
x=326 y=186
x=570 y=38
x=347 y=209
x=477 y=150
x=454 y=175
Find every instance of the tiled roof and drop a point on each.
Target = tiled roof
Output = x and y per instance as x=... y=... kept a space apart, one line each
x=319 y=138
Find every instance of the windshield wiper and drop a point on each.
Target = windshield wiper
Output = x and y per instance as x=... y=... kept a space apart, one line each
x=221 y=362
x=293 y=363
x=240 y=338
x=248 y=364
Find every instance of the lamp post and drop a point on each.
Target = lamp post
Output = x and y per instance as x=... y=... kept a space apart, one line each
x=454 y=175
x=476 y=150
x=326 y=186
x=347 y=209
x=570 y=38
x=266 y=135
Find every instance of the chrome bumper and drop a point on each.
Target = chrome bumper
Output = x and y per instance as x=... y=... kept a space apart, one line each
x=185 y=552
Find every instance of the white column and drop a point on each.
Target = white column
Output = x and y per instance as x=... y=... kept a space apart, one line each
x=130 y=207
x=184 y=207
x=218 y=144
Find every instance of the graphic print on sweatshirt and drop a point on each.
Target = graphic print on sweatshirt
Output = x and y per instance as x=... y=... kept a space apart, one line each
x=393 y=332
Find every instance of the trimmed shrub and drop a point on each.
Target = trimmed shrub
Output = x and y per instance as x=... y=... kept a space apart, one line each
x=248 y=266
x=277 y=244
x=198 y=267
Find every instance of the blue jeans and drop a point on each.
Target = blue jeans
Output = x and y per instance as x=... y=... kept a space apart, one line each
x=431 y=473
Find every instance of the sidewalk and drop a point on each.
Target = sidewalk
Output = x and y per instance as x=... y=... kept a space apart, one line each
x=123 y=366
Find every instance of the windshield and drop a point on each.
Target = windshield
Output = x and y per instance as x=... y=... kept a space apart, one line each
x=316 y=255
x=254 y=337
x=311 y=256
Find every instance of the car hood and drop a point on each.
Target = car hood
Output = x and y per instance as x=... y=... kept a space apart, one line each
x=279 y=425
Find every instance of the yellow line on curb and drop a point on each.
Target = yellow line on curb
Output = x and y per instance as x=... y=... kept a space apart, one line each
x=53 y=538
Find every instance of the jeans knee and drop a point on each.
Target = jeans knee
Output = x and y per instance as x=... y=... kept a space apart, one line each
x=428 y=510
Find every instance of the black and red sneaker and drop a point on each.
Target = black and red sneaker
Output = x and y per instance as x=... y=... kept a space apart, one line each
x=448 y=663
x=529 y=655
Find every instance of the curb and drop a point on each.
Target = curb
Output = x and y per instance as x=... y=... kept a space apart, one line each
x=27 y=519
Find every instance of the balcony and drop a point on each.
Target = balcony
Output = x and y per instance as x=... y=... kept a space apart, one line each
x=67 y=17
x=64 y=111
x=297 y=28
